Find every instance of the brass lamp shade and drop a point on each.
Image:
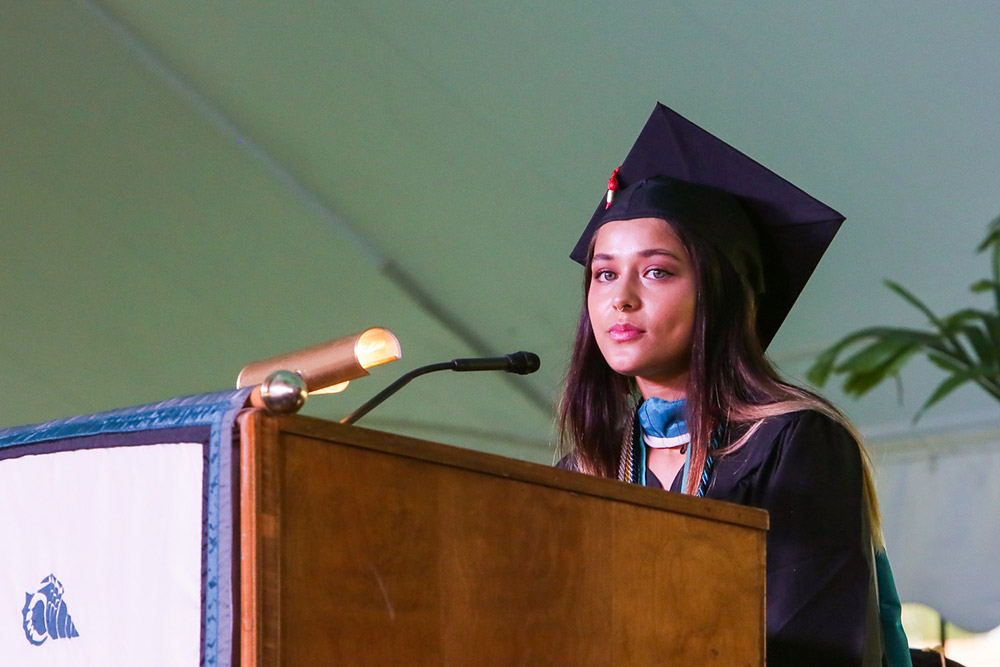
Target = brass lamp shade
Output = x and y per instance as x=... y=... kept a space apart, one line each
x=327 y=365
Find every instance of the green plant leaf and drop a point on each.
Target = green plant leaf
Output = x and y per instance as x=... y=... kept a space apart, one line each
x=949 y=364
x=991 y=323
x=858 y=384
x=965 y=344
x=959 y=320
x=986 y=352
x=993 y=239
x=992 y=236
x=987 y=285
x=959 y=317
x=952 y=343
x=819 y=372
x=950 y=384
x=874 y=355
x=915 y=302
x=874 y=364
x=984 y=285
x=983 y=377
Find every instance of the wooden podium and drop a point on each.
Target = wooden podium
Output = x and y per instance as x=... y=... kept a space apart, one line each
x=364 y=548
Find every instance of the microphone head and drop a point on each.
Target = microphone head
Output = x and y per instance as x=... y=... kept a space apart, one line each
x=523 y=363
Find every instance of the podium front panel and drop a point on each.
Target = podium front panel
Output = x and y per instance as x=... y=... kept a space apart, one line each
x=367 y=548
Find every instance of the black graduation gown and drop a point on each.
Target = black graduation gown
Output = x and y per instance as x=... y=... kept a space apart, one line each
x=806 y=471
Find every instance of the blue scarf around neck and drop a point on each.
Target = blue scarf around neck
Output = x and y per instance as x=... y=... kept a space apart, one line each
x=663 y=424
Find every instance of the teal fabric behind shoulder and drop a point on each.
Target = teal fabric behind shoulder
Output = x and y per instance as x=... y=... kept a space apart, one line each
x=639 y=461
x=896 y=647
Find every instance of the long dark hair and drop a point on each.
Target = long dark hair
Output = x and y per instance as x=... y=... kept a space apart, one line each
x=731 y=384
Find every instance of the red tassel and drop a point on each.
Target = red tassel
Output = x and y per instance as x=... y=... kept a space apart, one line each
x=612 y=187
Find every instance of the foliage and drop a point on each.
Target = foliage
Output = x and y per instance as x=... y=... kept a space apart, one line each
x=965 y=344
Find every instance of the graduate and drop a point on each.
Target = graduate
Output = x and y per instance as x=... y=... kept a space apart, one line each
x=692 y=261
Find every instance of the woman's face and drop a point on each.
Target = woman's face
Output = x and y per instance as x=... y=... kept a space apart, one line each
x=641 y=303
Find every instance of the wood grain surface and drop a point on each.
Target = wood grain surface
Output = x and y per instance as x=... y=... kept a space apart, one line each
x=364 y=548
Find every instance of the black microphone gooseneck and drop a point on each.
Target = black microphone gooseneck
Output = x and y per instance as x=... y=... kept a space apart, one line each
x=521 y=363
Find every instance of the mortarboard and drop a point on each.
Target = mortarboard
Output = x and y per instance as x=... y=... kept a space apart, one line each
x=773 y=233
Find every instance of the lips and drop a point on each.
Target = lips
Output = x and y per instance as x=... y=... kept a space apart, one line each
x=624 y=332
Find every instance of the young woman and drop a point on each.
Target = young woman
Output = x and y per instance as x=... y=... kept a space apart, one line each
x=668 y=384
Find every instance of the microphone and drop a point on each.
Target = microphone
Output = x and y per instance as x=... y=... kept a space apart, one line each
x=521 y=363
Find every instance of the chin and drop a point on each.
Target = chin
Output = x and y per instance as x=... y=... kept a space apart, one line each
x=657 y=374
x=629 y=369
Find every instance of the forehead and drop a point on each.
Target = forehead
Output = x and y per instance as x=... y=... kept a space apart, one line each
x=622 y=237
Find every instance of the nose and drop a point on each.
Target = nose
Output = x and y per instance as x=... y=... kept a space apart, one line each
x=625 y=297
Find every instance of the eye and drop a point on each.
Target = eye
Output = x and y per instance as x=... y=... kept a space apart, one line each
x=657 y=274
x=604 y=275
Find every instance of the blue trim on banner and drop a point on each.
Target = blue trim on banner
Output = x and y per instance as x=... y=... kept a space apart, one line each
x=217 y=411
x=199 y=433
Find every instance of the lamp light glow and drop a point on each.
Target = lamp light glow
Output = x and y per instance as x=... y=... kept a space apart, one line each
x=332 y=389
x=376 y=347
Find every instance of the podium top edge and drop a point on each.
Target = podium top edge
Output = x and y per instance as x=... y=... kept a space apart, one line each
x=514 y=469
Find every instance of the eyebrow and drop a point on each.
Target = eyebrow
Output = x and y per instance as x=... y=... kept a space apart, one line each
x=652 y=252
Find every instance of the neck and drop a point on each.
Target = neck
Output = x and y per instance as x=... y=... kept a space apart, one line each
x=672 y=389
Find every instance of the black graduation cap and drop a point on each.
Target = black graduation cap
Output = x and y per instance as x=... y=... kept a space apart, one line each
x=773 y=233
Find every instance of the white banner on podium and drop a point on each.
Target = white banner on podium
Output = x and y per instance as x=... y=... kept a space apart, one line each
x=106 y=559
x=117 y=537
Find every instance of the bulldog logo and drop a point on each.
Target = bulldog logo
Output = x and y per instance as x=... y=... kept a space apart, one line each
x=45 y=614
